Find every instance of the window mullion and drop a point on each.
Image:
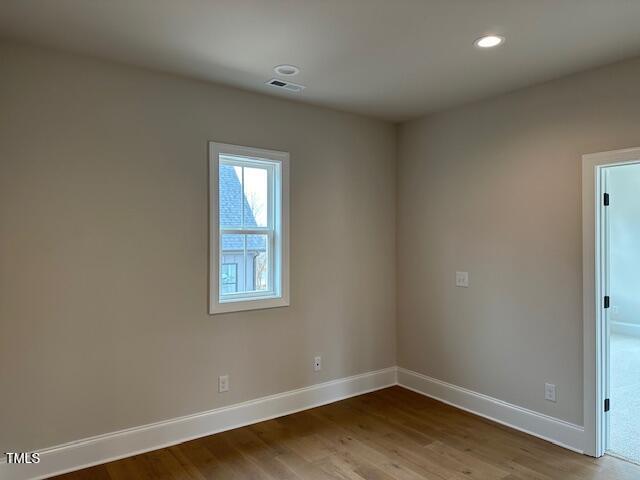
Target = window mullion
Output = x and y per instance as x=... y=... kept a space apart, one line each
x=244 y=262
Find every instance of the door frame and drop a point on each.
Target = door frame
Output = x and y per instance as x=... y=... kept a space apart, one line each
x=594 y=288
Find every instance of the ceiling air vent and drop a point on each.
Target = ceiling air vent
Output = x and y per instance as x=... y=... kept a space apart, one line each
x=290 y=86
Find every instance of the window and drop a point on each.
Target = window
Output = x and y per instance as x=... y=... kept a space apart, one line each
x=249 y=228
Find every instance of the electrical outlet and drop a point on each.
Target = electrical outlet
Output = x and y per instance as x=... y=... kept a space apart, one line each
x=223 y=383
x=550 y=392
x=317 y=364
x=462 y=279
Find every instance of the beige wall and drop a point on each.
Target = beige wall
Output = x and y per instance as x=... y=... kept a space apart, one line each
x=103 y=248
x=493 y=188
x=103 y=243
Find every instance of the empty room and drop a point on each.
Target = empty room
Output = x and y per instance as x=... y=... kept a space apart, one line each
x=320 y=239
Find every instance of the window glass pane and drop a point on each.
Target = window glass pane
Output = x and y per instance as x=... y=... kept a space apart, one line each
x=244 y=264
x=257 y=262
x=231 y=264
x=231 y=199
x=256 y=197
x=229 y=277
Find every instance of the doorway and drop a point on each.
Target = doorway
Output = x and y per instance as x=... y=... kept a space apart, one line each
x=611 y=342
x=621 y=278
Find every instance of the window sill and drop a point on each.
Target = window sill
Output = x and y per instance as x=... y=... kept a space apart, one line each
x=258 y=303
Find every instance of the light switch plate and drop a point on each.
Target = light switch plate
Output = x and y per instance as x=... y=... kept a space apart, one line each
x=550 y=392
x=462 y=279
x=223 y=383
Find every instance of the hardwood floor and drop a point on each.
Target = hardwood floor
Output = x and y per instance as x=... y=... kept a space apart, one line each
x=391 y=434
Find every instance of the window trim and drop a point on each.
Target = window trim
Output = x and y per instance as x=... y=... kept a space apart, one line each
x=280 y=295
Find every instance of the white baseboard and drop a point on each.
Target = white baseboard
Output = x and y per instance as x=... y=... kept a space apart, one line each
x=125 y=443
x=552 y=429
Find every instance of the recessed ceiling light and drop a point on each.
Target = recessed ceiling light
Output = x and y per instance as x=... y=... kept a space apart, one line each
x=489 y=41
x=287 y=70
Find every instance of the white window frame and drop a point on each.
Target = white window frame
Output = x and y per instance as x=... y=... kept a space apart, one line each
x=278 y=233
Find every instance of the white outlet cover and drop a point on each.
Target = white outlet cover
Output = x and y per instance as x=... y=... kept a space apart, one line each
x=317 y=364
x=462 y=279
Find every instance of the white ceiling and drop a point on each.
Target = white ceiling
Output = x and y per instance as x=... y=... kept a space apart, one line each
x=394 y=59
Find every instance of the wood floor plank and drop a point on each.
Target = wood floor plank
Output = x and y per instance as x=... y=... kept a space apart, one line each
x=227 y=453
x=339 y=468
x=250 y=443
x=186 y=464
x=204 y=461
x=91 y=473
x=391 y=434
x=400 y=452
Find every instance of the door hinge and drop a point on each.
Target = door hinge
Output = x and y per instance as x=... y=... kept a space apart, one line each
x=606 y=200
x=606 y=404
x=607 y=301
